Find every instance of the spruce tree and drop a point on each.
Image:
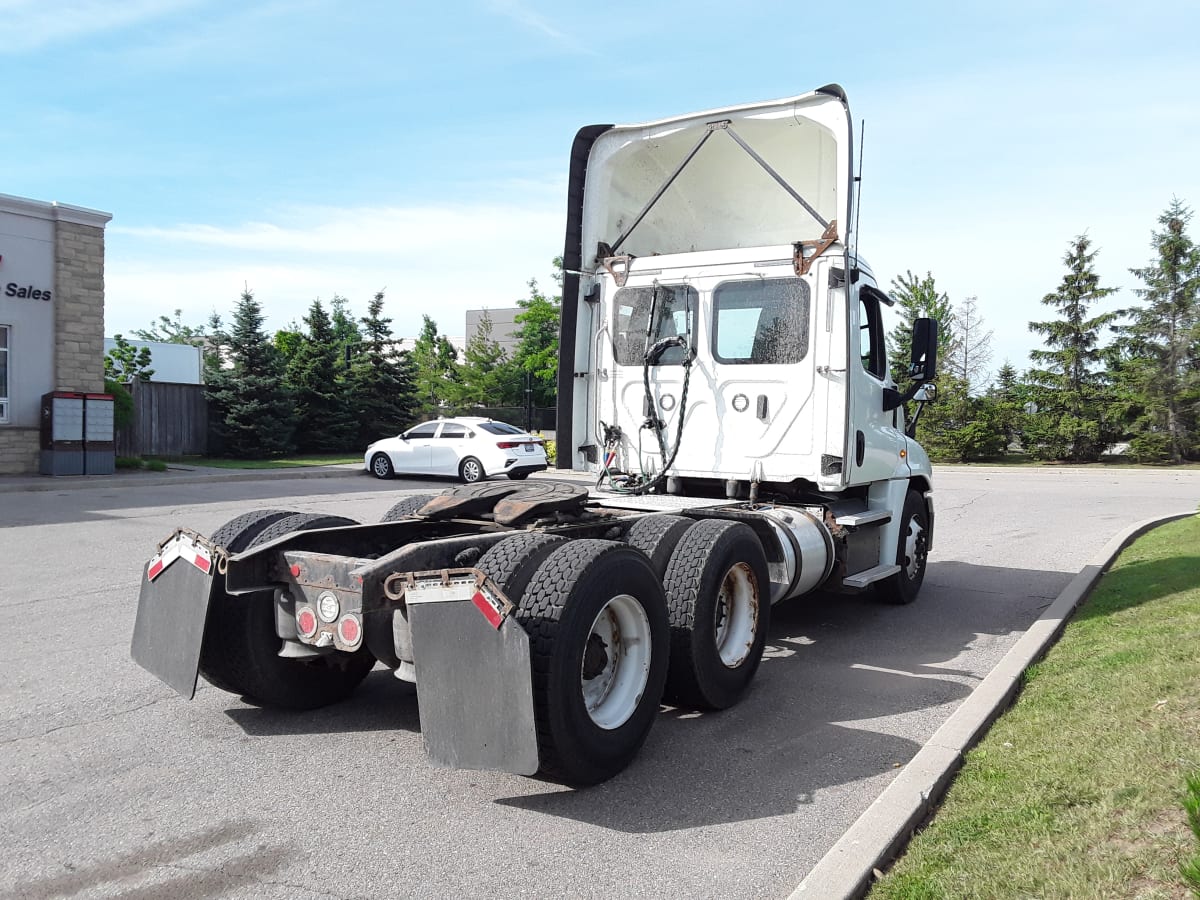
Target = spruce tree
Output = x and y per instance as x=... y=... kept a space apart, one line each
x=435 y=362
x=917 y=298
x=1072 y=421
x=379 y=389
x=1162 y=341
x=254 y=409
x=321 y=415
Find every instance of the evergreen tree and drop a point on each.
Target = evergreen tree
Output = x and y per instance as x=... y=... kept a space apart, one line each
x=537 y=342
x=435 y=363
x=347 y=337
x=215 y=348
x=486 y=376
x=321 y=414
x=1162 y=341
x=254 y=409
x=917 y=298
x=1071 y=393
x=380 y=384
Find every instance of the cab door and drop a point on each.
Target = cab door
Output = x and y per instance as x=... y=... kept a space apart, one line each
x=874 y=438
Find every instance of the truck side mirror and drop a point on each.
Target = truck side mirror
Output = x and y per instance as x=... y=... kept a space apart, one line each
x=924 y=350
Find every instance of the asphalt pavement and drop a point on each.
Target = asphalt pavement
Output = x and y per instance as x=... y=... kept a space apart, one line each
x=116 y=786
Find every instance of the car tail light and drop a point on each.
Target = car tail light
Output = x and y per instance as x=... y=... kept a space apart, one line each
x=306 y=621
x=350 y=630
x=508 y=445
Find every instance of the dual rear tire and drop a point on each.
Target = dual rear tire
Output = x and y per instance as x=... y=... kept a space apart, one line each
x=241 y=648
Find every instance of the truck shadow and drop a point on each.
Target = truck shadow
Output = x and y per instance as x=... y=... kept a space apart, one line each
x=849 y=689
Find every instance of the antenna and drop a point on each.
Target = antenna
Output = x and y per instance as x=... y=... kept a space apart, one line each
x=862 y=140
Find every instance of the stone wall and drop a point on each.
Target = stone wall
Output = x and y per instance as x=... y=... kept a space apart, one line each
x=79 y=307
x=19 y=449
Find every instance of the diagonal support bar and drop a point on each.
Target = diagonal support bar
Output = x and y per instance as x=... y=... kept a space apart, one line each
x=778 y=178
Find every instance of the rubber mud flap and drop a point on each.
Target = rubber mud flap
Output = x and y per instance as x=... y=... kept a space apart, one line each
x=473 y=688
x=169 y=630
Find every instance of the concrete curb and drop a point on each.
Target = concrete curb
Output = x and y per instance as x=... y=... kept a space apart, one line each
x=883 y=830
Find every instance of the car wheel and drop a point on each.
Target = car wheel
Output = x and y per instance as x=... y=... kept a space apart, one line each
x=381 y=466
x=471 y=470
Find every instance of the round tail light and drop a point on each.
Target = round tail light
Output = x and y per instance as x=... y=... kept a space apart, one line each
x=350 y=630
x=306 y=621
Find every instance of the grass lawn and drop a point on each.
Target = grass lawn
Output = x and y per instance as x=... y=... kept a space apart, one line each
x=283 y=463
x=1079 y=790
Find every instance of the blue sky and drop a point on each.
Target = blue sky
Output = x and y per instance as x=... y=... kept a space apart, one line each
x=312 y=147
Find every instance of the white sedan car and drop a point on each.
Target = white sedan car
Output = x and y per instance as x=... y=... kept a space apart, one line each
x=468 y=448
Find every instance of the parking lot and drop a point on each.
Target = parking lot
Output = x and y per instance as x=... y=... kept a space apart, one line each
x=114 y=785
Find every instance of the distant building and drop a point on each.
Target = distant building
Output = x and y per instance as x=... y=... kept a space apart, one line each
x=175 y=363
x=51 y=316
x=504 y=326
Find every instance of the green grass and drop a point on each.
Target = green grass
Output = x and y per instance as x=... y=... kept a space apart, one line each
x=289 y=462
x=1079 y=790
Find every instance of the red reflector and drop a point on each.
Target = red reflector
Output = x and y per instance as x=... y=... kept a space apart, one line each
x=349 y=630
x=489 y=612
x=306 y=622
x=295 y=570
x=155 y=570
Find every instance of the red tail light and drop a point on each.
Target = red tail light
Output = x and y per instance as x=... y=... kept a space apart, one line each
x=508 y=445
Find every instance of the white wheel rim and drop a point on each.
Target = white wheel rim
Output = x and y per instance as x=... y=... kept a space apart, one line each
x=736 y=623
x=912 y=548
x=471 y=471
x=616 y=662
x=381 y=465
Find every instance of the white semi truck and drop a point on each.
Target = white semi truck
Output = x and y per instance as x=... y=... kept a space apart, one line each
x=723 y=379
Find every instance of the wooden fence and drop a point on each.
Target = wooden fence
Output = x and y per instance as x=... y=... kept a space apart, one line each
x=168 y=420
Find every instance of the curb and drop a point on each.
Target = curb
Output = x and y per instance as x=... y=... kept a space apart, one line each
x=880 y=834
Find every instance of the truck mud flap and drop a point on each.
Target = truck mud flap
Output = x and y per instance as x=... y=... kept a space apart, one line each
x=472 y=670
x=177 y=588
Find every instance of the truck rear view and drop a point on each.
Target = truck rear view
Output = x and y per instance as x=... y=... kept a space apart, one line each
x=724 y=385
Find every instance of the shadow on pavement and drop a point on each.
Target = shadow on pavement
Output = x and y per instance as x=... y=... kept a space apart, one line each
x=849 y=689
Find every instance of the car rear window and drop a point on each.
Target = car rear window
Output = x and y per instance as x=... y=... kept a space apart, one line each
x=499 y=428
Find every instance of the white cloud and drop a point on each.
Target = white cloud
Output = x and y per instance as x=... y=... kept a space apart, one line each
x=440 y=261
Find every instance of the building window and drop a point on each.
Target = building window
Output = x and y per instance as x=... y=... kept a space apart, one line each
x=4 y=345
x=761 y=322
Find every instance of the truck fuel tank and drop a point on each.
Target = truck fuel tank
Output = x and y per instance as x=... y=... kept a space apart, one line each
x=807 y=547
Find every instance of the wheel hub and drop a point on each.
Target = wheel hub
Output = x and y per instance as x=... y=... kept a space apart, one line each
x=595 y=657
x=736 y=622
x=616 y=662
x=914 y=548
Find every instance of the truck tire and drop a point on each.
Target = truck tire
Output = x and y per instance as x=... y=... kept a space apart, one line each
x=657 y=537
x=241 y=649
x=718 y=596
x=911 y=553
x=593 y=706
x=512 y=562
x=236 y=534
x=406 y=507
x=298 y=522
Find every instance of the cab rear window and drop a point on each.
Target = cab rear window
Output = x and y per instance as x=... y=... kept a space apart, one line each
x=761 y=321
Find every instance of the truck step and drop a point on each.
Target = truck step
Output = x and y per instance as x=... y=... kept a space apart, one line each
x=869 y=576
x=867 y=517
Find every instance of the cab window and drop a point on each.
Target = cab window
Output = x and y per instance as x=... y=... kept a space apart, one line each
x=870 y=333
x=761 y=321
x=643 y=316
